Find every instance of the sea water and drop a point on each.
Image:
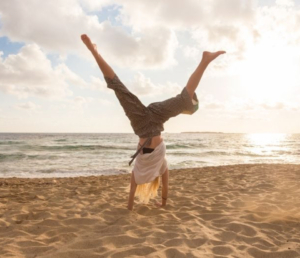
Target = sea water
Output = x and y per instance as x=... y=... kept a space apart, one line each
x=70 y=154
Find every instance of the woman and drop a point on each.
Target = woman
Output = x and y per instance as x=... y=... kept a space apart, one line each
x=147 y=123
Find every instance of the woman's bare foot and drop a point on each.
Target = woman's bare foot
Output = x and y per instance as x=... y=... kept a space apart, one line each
x=87 y=41
x=207 y=57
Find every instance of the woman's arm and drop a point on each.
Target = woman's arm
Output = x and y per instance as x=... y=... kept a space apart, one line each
x=164 y=189
x=104 y=67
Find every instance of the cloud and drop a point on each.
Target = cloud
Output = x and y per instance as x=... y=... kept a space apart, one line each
x=57 y=28
x=174 y=14
x=92 y=5
x=29 y=73
x=149 y=38
x=209 y=102
x=105 y=102
x=245 y=106
x=153 y=48
x=274 y=106
x=212 y=24
x=191 y=52
x=80 y=100
x=235 y=26
x=281 y=105
x=288 y=3
x=143 y=86
x=98 y=84
x=27 y=106
x=145 y=36
x=77 y=103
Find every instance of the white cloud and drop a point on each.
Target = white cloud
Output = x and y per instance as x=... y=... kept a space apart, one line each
x=170 y=88
x=139 y=85
x=233 y=25
x=98 y=84
x=92 y=5
x=144 y=14
x=143 y=86
x=213 y=24
x=153 y=48
x=57 y=28
x=274 y=106
x=191 y=52
x=66 y=74
x=105 y=102
x=176 y=15
x=30 y=73
x=209 y=102
x=245 y=106
x=78 y=103
x=288 y=3
x=27 y=106
x=80 y=100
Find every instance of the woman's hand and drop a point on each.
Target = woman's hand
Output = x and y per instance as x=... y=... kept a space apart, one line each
x=159 y=205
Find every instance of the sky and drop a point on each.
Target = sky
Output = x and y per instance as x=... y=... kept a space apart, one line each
x=49 y=82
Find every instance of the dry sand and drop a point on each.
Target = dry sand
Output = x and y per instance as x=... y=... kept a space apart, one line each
x=226 y=211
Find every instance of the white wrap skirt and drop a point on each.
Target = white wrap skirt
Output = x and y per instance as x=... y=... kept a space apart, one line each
x=148 y=166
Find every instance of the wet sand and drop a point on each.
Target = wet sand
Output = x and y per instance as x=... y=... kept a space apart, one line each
x=225 y=211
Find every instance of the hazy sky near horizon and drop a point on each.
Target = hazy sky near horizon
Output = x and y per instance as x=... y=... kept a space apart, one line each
x=49 y=82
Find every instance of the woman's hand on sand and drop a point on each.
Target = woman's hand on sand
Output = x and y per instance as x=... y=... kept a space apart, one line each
x=159 y=205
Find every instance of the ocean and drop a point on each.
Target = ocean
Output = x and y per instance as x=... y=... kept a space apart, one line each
x=83 y=154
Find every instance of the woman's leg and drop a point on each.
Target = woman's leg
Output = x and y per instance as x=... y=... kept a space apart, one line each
x=133 y=107
x=182 y=103
x=104 y=67
x=195 y=78
x=133 y=186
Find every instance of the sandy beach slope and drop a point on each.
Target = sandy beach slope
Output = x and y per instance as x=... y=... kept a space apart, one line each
x=226 y=211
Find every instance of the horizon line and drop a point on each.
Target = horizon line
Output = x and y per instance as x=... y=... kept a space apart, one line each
x=204 y=132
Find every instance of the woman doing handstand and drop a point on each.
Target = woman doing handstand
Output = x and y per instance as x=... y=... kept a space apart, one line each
x=147 y=123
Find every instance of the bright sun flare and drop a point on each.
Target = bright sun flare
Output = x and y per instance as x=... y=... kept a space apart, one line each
x=269 y=71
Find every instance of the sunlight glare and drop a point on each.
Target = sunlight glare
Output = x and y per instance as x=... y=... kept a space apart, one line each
x=263 y=143
x=266 y=138
x=269 y=71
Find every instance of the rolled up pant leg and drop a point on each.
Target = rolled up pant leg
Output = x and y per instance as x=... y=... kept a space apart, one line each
x=180 y=104
x=133 y=107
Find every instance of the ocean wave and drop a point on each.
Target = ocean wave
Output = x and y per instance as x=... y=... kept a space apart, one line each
x=177 y=146
x=71 y=172
x=12 y=156
x=220 y=153
x=60 y=140
x=20 y=156
x=11 y=142
x=75 y=147
x=200 y=153
x=184 y=146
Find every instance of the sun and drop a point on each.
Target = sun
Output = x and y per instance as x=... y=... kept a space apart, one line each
x=269 y=71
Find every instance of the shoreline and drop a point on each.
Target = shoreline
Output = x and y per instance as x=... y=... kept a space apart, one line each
x=170 y=170
x=246 y=210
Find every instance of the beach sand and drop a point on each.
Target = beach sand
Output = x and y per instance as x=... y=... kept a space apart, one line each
x=226 y=211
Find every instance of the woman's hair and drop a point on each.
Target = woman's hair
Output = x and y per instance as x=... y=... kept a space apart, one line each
x=147 y=191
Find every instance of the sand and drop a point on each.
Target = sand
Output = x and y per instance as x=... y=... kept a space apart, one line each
x=226 y=211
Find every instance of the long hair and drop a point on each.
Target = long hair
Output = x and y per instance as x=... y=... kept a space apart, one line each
x=146 y=191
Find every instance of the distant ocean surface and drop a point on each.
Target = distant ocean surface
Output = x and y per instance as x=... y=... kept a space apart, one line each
x=65 y=155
